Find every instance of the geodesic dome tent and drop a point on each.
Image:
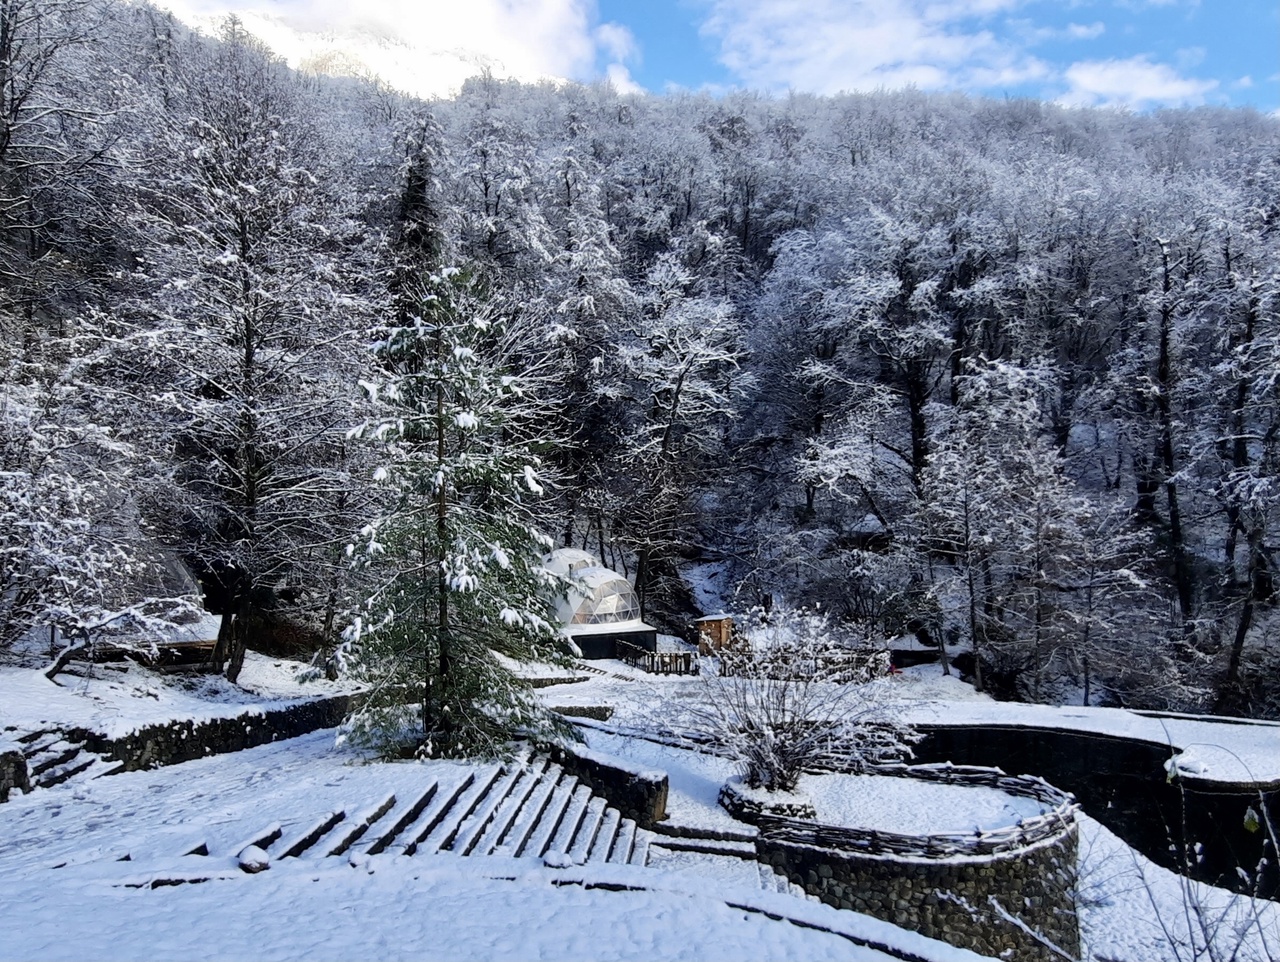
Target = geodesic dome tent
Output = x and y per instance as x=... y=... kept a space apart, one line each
x=601 y=607
x=600 y=597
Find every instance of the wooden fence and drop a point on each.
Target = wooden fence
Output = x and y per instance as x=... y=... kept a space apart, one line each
x=659 y=662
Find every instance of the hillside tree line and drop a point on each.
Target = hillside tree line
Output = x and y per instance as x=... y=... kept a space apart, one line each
x=996 y=375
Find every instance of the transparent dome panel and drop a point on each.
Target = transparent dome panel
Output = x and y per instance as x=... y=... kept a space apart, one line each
x=610 y=602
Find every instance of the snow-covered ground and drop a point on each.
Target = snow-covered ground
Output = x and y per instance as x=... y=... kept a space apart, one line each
x=908 y=806
x=1213 y=750
x=103 y=699
x=1132 y=910
x=694 y=780
x=450 y=907
x=72 y=895
x=901 y=805
x=390 y=906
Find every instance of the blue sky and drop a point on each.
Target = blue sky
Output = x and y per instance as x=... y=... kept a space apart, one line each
x=1144 y=53
x=1139 y=54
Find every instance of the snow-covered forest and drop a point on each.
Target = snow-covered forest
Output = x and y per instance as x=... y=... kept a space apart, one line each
x=999 y=374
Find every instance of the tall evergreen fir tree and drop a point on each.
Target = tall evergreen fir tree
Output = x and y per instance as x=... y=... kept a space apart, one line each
x=455 y=557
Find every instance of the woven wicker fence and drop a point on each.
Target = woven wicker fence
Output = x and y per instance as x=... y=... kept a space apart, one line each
x=1053 y=823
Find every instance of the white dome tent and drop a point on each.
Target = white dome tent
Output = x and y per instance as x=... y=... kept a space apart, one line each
x=601 y=608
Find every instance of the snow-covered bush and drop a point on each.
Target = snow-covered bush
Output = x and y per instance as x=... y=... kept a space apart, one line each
x=802 y=695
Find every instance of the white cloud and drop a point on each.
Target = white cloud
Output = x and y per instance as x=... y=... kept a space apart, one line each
x=428 y=47
x=831 y=45
x=1086 y=31
x=1189 y=57
x=618 y=42
x=619 y=45
x=1136 y=82
x=1030 y=33
x=620 y=78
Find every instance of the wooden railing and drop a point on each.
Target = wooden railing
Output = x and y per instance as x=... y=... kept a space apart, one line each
x=659 y=662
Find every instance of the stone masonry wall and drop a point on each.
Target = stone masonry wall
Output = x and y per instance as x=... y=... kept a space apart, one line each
x=184 y=740
x=13 y=773
x=951 y=899
x=639 y=796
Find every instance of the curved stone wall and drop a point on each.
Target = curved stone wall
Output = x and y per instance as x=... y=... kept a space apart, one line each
x=1122 y=783
x=1008 y=906
x=1007 y=892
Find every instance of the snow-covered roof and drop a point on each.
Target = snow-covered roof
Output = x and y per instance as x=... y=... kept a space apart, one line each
x=567 y=561
x=608 y=628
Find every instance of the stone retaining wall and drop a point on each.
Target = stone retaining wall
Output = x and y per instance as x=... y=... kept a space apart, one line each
x=1122 y=782
x=184 y=740
x=594 y=712
x=639 y=795
x=13 y=773
x=965 y=901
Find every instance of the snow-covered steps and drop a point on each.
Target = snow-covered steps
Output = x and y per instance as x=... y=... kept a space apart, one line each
x=354 y=828
x=771 y=880
x=722 y=854
x=734 y=848
x=53 y=759
x=528 y=808
x=301 y=839
x=592 y=669
x=414 y=838
x=463 y=807
x=394 y=822
x=536 y=809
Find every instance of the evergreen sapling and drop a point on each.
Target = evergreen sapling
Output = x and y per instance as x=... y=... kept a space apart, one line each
x=454 y=558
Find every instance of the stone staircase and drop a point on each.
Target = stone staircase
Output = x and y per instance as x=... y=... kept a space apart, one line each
x=524 y=809
x=528 y=808
x=53 y=759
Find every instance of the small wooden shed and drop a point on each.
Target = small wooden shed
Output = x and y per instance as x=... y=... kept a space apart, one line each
x=714 y=633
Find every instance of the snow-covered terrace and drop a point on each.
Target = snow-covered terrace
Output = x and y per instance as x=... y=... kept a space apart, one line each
x=1215 y=750
x=114 y=703
x=1212 y=750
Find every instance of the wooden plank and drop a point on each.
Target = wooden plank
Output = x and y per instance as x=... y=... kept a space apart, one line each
x=299 y=843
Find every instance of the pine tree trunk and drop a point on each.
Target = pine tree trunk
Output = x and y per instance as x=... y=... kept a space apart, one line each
x=443 y=644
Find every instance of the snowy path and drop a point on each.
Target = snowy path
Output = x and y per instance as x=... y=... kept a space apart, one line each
x=442 y=908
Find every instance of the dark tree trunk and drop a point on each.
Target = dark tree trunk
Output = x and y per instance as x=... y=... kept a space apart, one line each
x=1183 y=576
